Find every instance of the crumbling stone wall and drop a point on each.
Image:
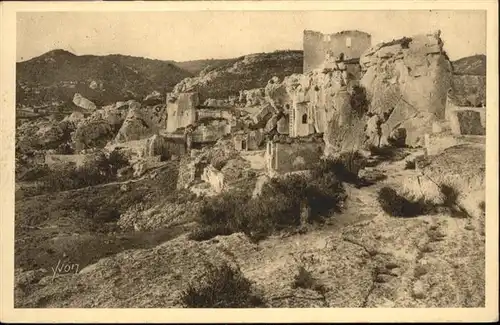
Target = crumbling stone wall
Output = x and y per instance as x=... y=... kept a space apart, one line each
x=283 y=157
x=207 y=113
x=53 y=160
x=165 y=147
x=211 y=132
x=181 y=110
x=316 y=46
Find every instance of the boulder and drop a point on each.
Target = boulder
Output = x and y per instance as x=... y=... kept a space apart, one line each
x=153 y=99
x=83 y=102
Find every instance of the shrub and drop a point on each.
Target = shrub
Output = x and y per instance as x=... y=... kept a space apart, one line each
x=450 y=195
x=304 y=279
x=410 y=164
x=223 y=287
x=398 y=206
x=345 y=167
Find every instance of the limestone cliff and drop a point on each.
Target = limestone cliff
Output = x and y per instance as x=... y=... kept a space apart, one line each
x=406 y=83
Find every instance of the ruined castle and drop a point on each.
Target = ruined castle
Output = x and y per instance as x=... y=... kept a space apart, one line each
x=345 y=45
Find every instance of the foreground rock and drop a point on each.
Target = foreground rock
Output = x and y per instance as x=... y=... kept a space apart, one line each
x=137 y=278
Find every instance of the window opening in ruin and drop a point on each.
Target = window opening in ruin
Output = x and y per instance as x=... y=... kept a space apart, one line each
x=348 y=42
x=304 y=119
x=243 y=145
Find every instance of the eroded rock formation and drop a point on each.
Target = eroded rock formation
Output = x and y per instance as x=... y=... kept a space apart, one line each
x=406 y=83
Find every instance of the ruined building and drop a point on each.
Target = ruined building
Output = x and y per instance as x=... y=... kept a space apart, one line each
x=346 y=45
x=181 y=110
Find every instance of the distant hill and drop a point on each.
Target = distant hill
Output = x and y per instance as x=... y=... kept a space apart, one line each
x=196 y=66
x=470 y=65
x=246 y=72
x=56 y=75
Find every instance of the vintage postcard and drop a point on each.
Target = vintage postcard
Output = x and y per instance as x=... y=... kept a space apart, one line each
x=253 y=161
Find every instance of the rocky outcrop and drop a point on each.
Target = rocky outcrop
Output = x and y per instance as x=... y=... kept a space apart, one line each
x=460 y=168
x=75 y=118
x=406 y=83
x=83 y=102
x=138 y=124
x=213 y=177
x=429 y=261
x=111 y=114
x=49 y=135
x=252 y=97
x=92 y=133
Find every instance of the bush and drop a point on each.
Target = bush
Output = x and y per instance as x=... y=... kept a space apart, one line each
x=223 y=287
x=450 y=195
x=398 y=206
x=345 y=167
x=304 y=279
x=410 y=164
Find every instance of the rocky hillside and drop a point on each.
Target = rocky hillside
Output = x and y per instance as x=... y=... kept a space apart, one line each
x=54 y=77
x=470 y=65
x=247 y=72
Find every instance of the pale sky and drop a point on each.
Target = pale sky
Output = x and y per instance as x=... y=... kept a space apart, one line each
x=191 y=35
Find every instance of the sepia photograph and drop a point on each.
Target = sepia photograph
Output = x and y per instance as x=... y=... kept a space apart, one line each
x=250 y=158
